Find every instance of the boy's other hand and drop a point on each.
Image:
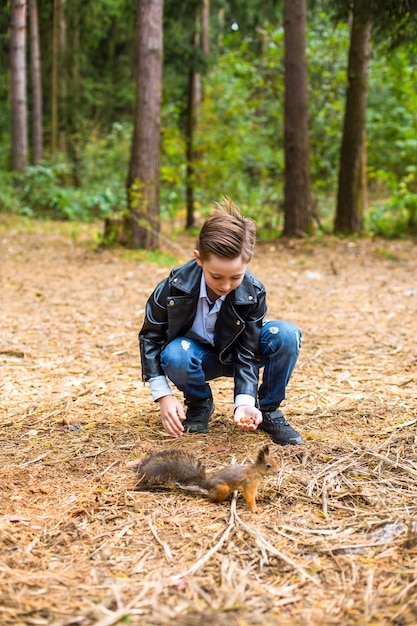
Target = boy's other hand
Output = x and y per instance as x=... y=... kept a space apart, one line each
x=247 y=417
x=172 y=414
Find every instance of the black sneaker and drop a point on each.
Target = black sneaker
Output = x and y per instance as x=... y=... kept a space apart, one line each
x=275 y=424
x=198 y=414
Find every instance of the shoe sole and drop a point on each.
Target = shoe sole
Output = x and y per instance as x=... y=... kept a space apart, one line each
x=294 y=442
x=196 y=429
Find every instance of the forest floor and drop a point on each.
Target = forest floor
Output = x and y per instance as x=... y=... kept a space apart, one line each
x=335 y=541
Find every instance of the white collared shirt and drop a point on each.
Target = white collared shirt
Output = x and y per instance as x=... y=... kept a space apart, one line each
x=202 y=330
x=206 y=316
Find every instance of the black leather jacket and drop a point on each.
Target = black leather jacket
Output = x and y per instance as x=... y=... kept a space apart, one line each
x=170 y=313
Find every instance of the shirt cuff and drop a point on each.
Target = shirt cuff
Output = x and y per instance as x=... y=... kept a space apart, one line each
x=160 y=387
x=244 y=399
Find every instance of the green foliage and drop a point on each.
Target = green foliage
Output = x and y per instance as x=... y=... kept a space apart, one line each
x=172 y=161
x=9 y=200
x=239 y=142
x=391 y=115
x=50 y=189
x=394 y=22
x=398 y=215
x=5 y=134
x=249 y=16
x=242 y=124
x=105 y=157
x=43 y=191
x=327 y=66
x=97 y=74
x=240 y=130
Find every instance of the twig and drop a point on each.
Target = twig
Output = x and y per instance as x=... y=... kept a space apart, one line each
x=324 y=499
x=107 y=468
x=399 y=426
x=38 y=458
x=87 y=455
x=165 y=546
x=369 y=593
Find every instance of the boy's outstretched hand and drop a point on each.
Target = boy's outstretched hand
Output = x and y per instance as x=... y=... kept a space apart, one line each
x=172 y=414
x=247 y=417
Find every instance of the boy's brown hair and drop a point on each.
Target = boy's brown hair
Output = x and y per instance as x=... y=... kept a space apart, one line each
x=226 y=233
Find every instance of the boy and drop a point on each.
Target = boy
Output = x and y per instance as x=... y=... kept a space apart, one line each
x=206 y=320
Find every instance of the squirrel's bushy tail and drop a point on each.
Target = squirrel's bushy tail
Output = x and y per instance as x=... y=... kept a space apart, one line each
x=171 y=467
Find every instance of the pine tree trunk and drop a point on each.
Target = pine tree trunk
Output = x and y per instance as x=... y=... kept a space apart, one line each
x=205 y=27
x=18 y=85
x=193 y=90
x=297 y=192
x=74 y=87
x=64 y=64
x=200 y=42
x=144 y=171
x=35 y=69
x=193 y=107
x=54 y=78
x=59 y=113
x=351 y=199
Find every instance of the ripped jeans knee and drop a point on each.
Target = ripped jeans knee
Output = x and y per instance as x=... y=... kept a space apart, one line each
x=280 y=335
x=279 y=347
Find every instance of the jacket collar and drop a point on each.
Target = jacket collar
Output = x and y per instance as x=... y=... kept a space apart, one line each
x=187 y=279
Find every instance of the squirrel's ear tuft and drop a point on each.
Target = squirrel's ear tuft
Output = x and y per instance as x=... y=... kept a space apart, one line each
x=263 y=452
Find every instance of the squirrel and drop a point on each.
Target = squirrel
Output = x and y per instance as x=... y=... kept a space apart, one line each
x=178 y=468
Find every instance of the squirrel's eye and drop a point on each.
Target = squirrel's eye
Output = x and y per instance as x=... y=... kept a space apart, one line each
x=268 y=466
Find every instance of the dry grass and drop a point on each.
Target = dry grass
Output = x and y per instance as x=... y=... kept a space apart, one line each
x=336 y=539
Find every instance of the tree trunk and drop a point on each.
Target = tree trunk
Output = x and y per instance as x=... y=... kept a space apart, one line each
x=35 y=70
x=74 y=86
x=64 y=62
x=59 y=78
x=193 y=106
x=200 y=41
x=297 y=188
x=205 y=27
x=144 y=170
x=351 y=196
x=54 y=78
x=18 y=85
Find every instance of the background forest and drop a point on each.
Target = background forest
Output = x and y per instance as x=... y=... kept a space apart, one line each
x=87 y=60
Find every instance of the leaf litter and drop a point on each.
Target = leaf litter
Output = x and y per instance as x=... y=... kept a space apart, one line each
x=336 y=539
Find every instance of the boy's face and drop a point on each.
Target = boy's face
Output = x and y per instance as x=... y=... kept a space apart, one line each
x=221 y=274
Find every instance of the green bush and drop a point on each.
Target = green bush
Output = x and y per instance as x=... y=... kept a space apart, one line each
x=43 y=191
x=397 y=216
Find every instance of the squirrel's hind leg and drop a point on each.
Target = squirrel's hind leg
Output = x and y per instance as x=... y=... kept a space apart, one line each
x=219 y=493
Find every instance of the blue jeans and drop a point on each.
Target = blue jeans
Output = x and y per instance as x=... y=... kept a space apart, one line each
x=190 y=364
